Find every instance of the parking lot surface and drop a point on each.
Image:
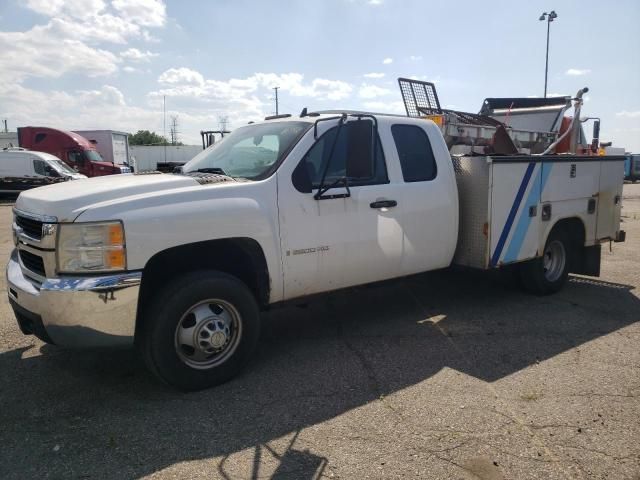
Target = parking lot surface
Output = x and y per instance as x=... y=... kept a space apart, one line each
x=451 y=374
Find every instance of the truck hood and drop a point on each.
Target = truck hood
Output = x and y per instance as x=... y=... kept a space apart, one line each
x=67 y=200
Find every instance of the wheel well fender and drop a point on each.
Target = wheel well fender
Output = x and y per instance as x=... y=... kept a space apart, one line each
x=573 y=226
x=241 y=257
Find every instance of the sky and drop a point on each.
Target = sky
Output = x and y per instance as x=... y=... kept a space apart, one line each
x=108 y=64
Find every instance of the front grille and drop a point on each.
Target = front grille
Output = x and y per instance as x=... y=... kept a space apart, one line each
x=32 y=262
x=31 y=227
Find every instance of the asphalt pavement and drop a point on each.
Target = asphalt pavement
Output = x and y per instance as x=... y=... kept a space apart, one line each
x=450 y=374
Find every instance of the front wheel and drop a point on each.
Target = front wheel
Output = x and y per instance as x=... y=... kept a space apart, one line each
x=547 y=274
x=200 y=330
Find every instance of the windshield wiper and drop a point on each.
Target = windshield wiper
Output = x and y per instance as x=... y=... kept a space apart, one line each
x=217 y=170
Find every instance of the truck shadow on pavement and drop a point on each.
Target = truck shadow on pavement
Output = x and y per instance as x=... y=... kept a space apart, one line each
x=101 y=415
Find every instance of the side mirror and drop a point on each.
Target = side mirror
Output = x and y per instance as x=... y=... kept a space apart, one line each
x=360 y=149
x=301 y=179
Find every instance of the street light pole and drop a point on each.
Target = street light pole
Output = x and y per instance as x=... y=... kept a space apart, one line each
x=276 y=89
x=549 y=17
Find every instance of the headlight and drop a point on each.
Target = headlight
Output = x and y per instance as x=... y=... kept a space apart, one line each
x=91 y=247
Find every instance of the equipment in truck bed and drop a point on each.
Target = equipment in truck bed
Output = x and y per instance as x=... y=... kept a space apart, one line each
x=471 y=129
x=535 y=114
x=421 y=99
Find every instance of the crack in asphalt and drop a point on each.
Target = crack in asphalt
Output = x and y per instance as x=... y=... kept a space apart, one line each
x=512 y=415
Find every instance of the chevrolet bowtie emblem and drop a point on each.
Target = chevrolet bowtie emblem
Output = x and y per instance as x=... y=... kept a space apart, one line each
x=48 y=229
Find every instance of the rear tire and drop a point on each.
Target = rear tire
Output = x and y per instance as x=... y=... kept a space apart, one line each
x=547 y=274
x=200 y=330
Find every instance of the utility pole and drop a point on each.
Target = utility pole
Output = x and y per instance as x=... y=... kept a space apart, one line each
x=276 y=89
x=6 y=129
x=549 y=17
x=164 y=125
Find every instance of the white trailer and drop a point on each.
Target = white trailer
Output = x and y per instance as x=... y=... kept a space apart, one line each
x=111 y=145
x=157 y=157
x=8 y=139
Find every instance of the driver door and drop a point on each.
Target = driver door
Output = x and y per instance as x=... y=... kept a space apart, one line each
x=350 y=236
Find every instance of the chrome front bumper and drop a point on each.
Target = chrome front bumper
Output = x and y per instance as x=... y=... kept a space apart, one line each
x=76 y=311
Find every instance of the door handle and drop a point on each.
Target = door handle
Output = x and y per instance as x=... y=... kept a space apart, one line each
x=383 y=204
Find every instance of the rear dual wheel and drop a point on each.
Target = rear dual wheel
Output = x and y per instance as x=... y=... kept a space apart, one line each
x=547 y=274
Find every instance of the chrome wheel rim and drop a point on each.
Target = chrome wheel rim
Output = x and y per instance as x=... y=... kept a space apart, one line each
x=554 y=260
x=208 y=334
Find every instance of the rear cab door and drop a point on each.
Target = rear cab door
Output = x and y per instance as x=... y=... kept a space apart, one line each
x=429 y=196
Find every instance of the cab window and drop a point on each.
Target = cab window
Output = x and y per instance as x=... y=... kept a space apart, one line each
x=38 y=166
x=76 y=158
x=319 y=155
x=414 y=150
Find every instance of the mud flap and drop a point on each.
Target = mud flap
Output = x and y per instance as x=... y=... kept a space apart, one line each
x=589 y=261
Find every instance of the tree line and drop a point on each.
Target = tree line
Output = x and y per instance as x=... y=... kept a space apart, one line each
x=145 y=137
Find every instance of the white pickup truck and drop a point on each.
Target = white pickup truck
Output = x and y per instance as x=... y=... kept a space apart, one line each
x=181 y=264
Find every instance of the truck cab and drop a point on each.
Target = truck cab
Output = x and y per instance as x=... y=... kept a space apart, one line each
x=73 y=149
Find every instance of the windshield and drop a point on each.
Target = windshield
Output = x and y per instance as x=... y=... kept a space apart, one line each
x=250 y=151
x=61 y=167
x=93 y=156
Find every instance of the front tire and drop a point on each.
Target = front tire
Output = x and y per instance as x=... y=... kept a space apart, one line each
x=547 y=274
x=200 y=330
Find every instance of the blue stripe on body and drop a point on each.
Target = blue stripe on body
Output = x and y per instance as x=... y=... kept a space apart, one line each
x=512 y=214
x=522 y=227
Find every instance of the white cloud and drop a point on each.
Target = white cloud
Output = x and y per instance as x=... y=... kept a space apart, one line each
x=373 y=75
x=148 y=13
x=241 y=99
x=625 y=113
x=107 y=95
x=183 y=76
x=67 y=42
x=576 y=72
x=104 y=108
x=136 y=55
x=415 y=58
x=375 y=2
x=185 y=82
x=69 y=8
x=90 y=20
x=35 y=53
x=372 y=91
x=387 y=61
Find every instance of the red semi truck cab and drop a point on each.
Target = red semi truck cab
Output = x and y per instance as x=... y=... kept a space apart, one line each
x=73 y=149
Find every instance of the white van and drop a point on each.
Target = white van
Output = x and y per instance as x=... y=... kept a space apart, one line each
x=21 y=169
